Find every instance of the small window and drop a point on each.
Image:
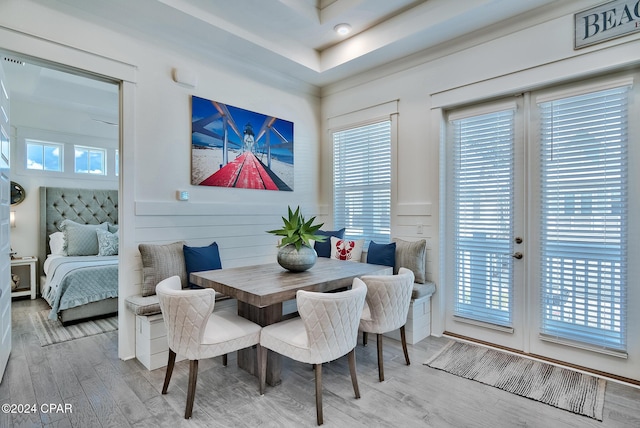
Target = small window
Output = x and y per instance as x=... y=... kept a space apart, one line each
x=44 y=156
x=90 y=160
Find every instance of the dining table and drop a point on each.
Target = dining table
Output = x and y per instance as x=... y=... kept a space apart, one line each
x=261 y=290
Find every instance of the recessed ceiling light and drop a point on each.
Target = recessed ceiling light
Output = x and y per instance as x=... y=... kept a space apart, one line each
x=342 y=29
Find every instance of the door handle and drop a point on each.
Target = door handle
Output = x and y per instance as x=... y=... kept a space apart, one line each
x=517 y=255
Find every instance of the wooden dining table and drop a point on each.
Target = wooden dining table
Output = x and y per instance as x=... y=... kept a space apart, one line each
x=261 y=290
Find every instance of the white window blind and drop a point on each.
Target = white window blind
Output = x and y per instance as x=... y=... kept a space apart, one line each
x=362 y=181
x=482 y=212
x=583 y=220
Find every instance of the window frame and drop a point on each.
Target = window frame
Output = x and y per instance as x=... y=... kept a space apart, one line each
x=89 y=151
x=360 y=118
x=42 y=145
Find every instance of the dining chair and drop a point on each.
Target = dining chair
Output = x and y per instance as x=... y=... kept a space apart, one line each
x=386 y=309
x=326 y=330
x=196 y=332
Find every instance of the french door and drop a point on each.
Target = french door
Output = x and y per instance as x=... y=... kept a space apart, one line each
x=485 y=258
x=538 y=201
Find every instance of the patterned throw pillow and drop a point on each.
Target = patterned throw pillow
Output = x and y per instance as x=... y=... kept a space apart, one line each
x=107 y=243
x=80 y=239
x=344 y=249
x=160 y=262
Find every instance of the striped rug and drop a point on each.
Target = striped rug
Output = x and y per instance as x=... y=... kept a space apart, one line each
x=52 y=331
x=559 y=387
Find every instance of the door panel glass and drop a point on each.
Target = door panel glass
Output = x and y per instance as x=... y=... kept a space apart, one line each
x=483 y=167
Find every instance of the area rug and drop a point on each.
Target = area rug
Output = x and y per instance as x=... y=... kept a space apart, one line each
x=52 y=331
x=559 y=387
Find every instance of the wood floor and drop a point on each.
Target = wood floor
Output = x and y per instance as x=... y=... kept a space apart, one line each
x=104 y=391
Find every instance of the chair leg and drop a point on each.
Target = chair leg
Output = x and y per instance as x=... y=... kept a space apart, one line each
x=352 y=369
x=364 y=338
x=403 y=337
x=167 y=377
x=318 y=370
x=191 y=390
x=262 y=367
x=380 y=362
x=224 y=360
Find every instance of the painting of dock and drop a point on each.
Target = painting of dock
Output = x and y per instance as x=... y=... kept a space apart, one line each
x=234 y=147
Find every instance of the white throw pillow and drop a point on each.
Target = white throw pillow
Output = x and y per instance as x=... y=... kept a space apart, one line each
x=345 y=249
x=56 y=244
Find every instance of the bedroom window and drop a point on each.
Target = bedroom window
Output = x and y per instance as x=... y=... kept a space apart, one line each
x=90 y=160
x=44 y=156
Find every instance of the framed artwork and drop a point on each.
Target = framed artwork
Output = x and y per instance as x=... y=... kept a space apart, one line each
x=234 y=147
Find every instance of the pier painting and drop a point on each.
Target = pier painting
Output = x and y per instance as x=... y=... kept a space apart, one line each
x=234 y=147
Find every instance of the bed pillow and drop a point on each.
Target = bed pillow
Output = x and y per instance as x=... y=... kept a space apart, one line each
x=323 y=249
x=80 y=239
x=411 y=255
x=107 y=243
x=161 y=262
x=113 y=228
x=345 y=249
x=197 y=259
x=56 y=244
x=382 y=254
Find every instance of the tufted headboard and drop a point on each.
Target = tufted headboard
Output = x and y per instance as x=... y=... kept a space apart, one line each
x=85 y=206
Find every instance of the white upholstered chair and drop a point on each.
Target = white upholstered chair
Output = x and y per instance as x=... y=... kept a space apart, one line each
x=326 y=330
x=386 y=309
x=196 y=332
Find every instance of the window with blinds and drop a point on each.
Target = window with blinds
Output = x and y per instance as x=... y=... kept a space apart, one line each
x=362 y=181
x=583 y=220
x=483 y=203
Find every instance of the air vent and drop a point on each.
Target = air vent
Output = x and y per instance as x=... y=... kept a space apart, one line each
x=14 y=61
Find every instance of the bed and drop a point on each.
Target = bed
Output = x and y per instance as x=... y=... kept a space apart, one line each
x=79 y=281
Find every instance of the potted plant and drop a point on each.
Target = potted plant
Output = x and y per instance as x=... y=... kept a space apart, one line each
x=296 y=253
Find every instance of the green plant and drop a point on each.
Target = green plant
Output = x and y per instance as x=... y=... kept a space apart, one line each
x=297 y=230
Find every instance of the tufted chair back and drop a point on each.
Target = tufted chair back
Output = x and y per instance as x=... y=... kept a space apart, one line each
x=387 y=308
x=326 y=330
x=185 y=314
x=331 y=321
x=388 y=300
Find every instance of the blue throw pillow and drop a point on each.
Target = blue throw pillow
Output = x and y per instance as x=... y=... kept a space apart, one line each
x=382 y=254
x=198 y=259
x=323 y=249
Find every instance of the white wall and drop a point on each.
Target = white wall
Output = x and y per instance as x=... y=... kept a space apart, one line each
x=485 y=67
x=156 y=141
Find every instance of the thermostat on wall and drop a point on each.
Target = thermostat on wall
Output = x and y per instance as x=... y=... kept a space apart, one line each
x=183 y=195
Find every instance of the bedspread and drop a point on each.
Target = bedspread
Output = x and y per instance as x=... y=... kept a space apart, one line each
x=75 y=281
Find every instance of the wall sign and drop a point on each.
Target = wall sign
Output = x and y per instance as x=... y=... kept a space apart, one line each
x=607 y=21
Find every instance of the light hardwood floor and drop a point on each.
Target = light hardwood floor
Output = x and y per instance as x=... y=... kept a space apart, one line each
x=104 y=391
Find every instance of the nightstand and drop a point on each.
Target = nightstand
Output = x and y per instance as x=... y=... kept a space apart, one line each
x=25 y=268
